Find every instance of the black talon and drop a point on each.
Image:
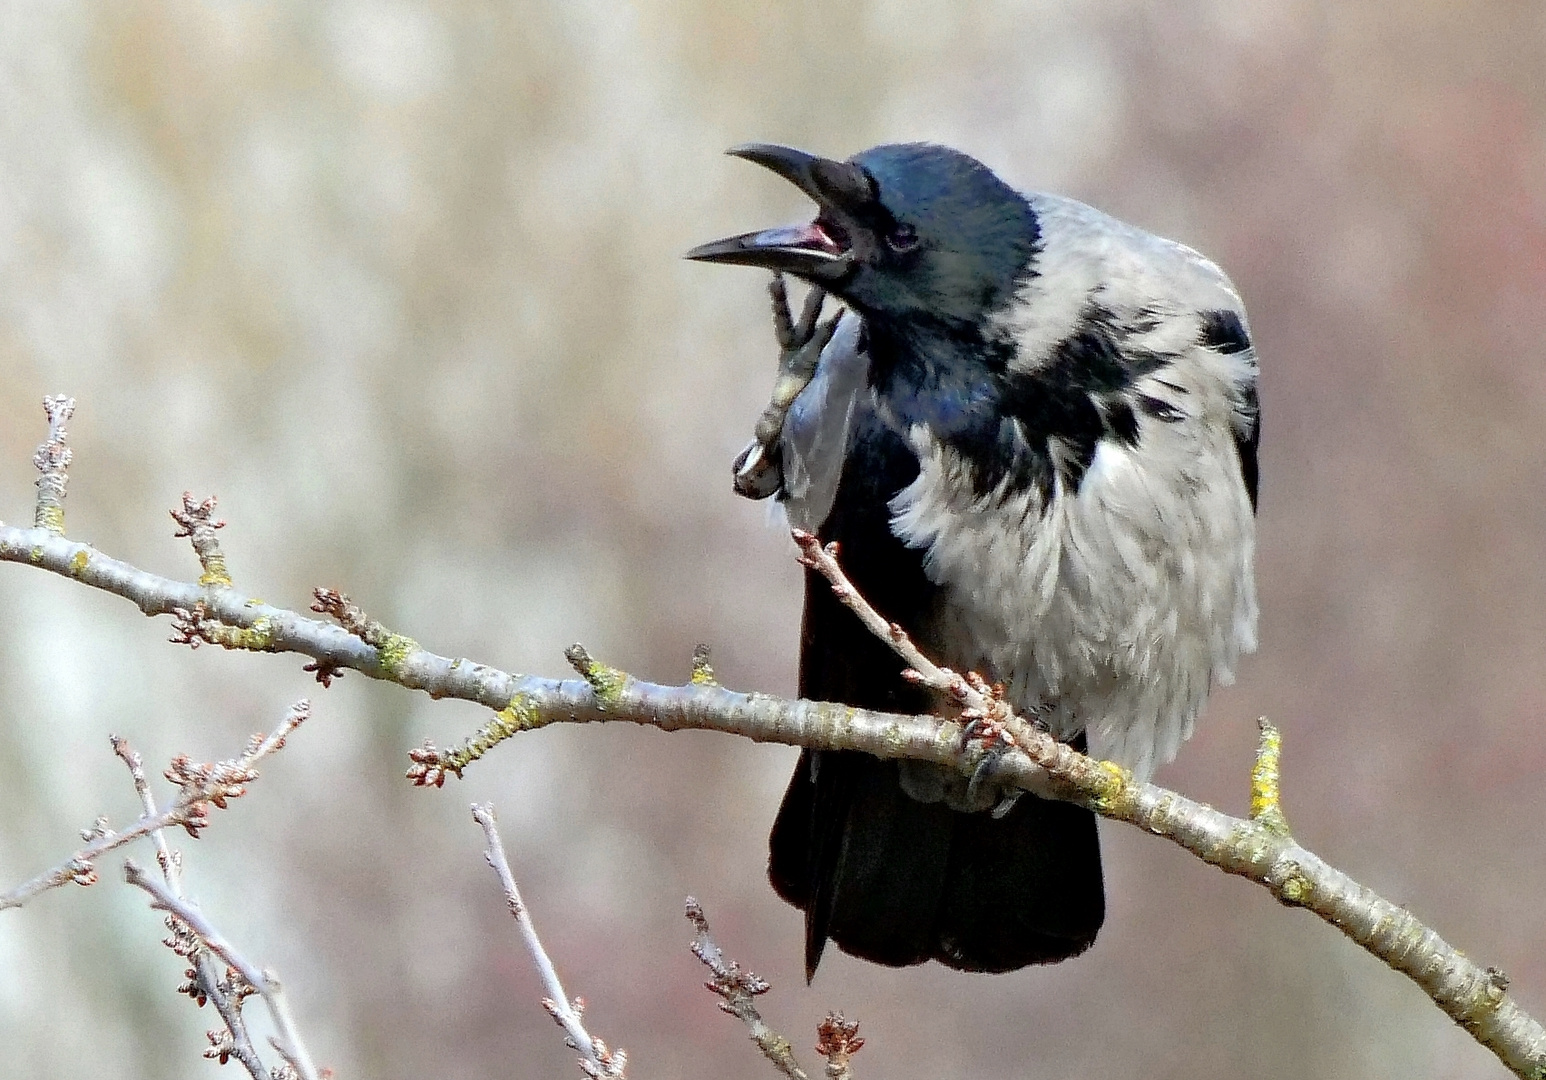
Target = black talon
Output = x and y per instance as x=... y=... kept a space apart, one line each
x=969 y=731
x=985 y=771
x=757 y=472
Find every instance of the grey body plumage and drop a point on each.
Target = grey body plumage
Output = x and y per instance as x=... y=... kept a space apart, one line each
x=1064 y=408
x=1113 y=598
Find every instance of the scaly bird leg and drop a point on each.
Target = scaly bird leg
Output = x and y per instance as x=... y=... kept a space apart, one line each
x=758 y=472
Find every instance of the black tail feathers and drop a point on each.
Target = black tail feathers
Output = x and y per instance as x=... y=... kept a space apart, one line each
x=898 y=882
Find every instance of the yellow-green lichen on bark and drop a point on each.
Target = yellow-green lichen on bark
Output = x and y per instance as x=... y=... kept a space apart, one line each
x=1266 y=794
x=606 y=682
x=520 y=715
x=215 y=573
x=1111 y=790
x=393 y=650
x=1252 y=842
x=827 y=720
x=702 y=672
x=50 y=516
x=79 y=561
x=1293 y=887
x=894 y=740
x=947 y=738
x=259 y=637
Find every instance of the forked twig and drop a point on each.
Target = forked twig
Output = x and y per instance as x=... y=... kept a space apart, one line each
x=287 y=1041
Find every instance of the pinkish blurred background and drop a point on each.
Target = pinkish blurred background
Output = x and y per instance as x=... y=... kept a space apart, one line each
x=401 y=282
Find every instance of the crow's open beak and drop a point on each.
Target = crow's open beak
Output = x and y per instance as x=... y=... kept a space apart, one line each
x=818 y=251
x=803 y=250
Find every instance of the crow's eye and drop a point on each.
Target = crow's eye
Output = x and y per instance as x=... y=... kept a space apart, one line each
x=902 y=237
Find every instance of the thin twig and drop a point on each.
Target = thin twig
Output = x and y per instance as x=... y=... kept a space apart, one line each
x=978 y=701
x=237 y=1043
x=596 y=1059
x=196 y=520
x=200 y=787
x=921 y=669
x=288 y=1040
x=738 y=992
x=53 y=463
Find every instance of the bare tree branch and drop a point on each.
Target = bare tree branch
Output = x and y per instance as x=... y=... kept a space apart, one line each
x=596 y=1059
x=200 y=786
x=288 y=1040
x=1258 y=848
x=738 y=992
x=234 y=1041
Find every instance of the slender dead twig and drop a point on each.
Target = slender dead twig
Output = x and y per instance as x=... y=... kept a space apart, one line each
x=287 y=1040
x=199 y=788
x=597 y=1060
x=738 y=992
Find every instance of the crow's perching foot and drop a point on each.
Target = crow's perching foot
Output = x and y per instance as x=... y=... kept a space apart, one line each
x=758 y=471
x=997 y=741
x=990 y=726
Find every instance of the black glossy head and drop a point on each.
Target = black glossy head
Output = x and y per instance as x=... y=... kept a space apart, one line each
x=907 y=230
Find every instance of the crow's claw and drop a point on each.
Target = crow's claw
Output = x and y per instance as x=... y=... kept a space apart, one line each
x=979 y=789
x=988 y=730
x=997 y=741
x=758 y=471
x=794 y=336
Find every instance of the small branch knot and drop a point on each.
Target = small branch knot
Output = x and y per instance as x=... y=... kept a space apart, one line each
x=702 y=673
x=325 y=671
x=391 y=649
x=605 y=682
x=196 y=520
x=53 y=464
x=837 y=1040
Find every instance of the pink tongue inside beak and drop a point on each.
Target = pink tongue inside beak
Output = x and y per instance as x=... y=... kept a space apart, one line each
x=810 y=236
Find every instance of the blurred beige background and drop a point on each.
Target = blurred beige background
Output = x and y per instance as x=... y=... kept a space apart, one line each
x=401 y=282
